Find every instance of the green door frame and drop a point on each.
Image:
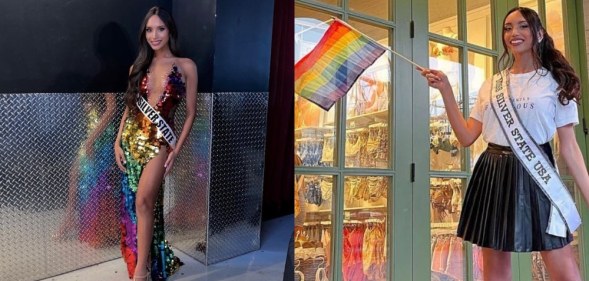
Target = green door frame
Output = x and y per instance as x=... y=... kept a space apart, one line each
x=399 y=228
x=409 y=254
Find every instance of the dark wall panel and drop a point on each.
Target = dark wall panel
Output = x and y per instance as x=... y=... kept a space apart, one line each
x=196 y=27
x=243 y=45
x=69 y=46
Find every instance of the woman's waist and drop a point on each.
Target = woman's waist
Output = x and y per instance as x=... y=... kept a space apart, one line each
x=502 y=149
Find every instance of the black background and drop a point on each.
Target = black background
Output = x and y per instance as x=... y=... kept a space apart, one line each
x=88 y=46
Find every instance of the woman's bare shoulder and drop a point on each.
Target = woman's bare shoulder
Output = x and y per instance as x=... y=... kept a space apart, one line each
x=187 y=65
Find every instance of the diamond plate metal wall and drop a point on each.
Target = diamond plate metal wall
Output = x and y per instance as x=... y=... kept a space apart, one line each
x=59 y=186
x=225 y=202
x=58 y=195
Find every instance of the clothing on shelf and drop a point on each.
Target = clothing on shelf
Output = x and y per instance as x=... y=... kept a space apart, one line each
x=377 y=147
x=364 y=252
x=444 y=147
x=445 y=199
x=539 y=272
x=367 y=189
x=310 y=150
x=367 y=147
x=448 y=255
x=477 y=257
x=326 y=188
x=355 y=141
x=316 y=190
x=311 y=258
x=313 y=190
x=328 y=148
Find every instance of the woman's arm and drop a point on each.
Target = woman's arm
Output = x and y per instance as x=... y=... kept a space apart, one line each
x=102 y=123
x=571 y=153
x=190 y=73
x=466 y=132
x=119 y=155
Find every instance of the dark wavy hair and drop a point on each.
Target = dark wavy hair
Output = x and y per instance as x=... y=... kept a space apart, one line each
x=145 y=54
x=547 y=56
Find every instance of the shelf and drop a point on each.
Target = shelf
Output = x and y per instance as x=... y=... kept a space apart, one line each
x=452 y=225
x=316 y=132
x=364 y=120
x=366 y=208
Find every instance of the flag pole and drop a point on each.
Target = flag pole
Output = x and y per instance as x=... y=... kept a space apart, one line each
x=376 y=42
x=314 y=26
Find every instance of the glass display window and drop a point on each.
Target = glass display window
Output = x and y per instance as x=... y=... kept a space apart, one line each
x=445 y=150
x=313 y=229
x=376 y=8
x=314 y=127
x=555 y=23
x=314 y=134
x=478 y=23
x=532 y=4
x=331 y=2
x=480 y=68
x=447 y=250
x=443 y=19
x=367 y=109
x=477 y=263
x=365 y=228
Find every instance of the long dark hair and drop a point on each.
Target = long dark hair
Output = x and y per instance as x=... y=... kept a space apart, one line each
x=145 y=54
x=547 y=56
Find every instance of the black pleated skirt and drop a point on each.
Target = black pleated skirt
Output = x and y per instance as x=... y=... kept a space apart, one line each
x=504 y=209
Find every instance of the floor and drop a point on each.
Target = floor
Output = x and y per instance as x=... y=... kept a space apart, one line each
x=265 y=264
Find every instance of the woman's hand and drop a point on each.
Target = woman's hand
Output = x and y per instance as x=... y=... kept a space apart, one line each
x=436 y=79
x=120 y=157
x=170 y=161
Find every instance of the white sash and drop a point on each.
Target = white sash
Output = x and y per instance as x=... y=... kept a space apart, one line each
x=155 y=118
x=563 y=212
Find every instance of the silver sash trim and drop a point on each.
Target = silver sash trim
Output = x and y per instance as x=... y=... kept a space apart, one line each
x=563 y=212
x=158 y=120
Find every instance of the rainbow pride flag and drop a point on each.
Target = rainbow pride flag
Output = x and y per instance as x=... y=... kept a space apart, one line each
x=326 y=73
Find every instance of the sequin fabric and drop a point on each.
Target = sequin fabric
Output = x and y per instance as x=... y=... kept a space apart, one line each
x=141 y=142
x=95 y=192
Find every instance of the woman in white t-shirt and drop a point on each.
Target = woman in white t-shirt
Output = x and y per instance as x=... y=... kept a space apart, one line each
x=504 y=210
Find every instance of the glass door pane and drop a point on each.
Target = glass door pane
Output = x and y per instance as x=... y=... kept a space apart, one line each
x=314 y=127
x=367 y=109
x=478 y=23
x=365 y=228
x=447 y=252
x=445 y=151
x=532 y=4
x=480 y=68
x=443 y=19
x=555 y=24
x=375 y=8
x=312 y=241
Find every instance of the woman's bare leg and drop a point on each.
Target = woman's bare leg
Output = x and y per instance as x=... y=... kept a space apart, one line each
x=496 y=265
x=68 y=222
x=561 y=264
x=147 y=192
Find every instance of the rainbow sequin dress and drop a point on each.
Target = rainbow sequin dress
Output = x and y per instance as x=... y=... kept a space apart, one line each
x=141 y=142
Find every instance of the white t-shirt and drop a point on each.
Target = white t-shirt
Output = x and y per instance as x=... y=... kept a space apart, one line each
x=535 y=99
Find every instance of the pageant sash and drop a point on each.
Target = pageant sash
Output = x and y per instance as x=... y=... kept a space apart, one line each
x=563 y=212
x=158 y=120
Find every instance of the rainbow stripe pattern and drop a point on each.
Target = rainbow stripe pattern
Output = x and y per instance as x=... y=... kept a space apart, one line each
x=326 y=73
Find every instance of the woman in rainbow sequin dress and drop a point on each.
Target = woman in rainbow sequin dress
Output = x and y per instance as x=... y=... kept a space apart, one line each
x=146 y=146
